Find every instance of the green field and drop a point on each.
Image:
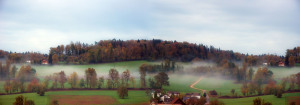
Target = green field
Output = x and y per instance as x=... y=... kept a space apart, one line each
x=222 y=86
x=134 y=97
x=267 y=98
x=181 y=83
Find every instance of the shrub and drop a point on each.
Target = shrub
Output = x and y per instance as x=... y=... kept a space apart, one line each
x=54 y=102
x=216 y=102
x=213 y=92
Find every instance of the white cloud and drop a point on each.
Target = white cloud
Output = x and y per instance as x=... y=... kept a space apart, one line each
x=255 y=27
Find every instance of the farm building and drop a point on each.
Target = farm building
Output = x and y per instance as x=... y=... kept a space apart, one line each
x=157 y=91
x=280 y=64
x=189 y=96
x=175 y=101
x=170 y=93
x=167 y=98
x=45 y=62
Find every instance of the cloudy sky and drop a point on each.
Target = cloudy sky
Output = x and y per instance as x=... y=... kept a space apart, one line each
x=247 y=26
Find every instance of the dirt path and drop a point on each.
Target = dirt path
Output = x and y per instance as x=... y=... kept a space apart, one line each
x=203 y=91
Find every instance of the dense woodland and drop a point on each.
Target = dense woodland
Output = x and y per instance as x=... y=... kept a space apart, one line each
x=119 y=50
x=156 y=49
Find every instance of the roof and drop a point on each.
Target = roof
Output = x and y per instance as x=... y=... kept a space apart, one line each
x=177 y=101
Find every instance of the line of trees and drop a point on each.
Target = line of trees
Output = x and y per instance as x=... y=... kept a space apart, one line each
x=119 y=50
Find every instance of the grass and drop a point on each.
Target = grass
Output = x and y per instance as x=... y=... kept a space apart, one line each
x=134 y=97
x=222 y=86
x=281 y=72
x=267 y=98
x=181 y=83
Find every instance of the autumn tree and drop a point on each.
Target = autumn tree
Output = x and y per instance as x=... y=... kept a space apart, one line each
x=250 y=73
x=122 y=91
x=20 y=100
x=55 y=59
x=142 y=71
x=109 y=83
x=91 y=77
x=26 y=73
x=73 y=80
x=100 y=82
x=292 y=82
x=298 y=80
x=55 y=79
x=245 y=89
x=125 y=77
x=291 y=61
x=132 y=81
x=114 y=77
x=33 y=86
x=15 y=85
x=7 y=86
x=162 y=79
x=278 y=91
x=284 y=82
x=259 y=101
x=215 y=102
x=232 y=92
x=41 y=89
x=252 y=87
x=13 y=71
x=270 y=88
x=62 y=79
x=47 y=81
x=81 y=83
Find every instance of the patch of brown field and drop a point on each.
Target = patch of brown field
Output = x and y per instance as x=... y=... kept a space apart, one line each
x=82 y=100
x=293 y=99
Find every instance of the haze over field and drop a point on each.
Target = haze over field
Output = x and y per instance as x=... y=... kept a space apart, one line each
x=258 y=26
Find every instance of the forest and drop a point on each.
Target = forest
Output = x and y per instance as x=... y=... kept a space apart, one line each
x=152 y=50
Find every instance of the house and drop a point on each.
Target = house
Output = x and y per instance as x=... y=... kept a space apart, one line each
x=177 y=101
x=28 y=61
x=170 y=93
x=189 y=96
x=165 y=98
x=157 y=91
x=170 y=101
x=280 y=64
x=45 y=62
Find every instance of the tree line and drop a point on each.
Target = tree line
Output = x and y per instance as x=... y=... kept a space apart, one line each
x=119 y=50
x=114 y=80
x=156 y=49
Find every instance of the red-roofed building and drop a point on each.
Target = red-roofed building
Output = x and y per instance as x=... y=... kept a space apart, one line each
x=45 y=62
x=280 y=64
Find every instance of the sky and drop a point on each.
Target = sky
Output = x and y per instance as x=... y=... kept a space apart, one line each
x=246 y=26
